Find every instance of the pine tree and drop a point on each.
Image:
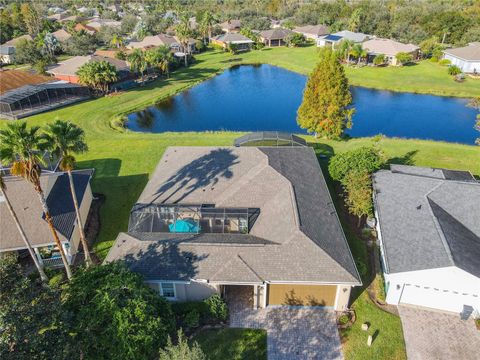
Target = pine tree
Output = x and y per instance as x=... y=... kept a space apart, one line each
x=325 y=109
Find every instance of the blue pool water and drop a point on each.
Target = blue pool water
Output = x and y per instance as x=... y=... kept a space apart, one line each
x=265 y=97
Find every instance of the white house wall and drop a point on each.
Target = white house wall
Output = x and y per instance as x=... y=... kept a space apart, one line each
x=466 y=66
x=448 y=288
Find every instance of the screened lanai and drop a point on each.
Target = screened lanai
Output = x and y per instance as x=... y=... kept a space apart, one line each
x=270 y=138
x=32 y=99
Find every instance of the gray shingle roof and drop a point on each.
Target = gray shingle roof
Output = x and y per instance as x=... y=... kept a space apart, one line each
x=296 y=237
x=429 y=218
x=276 y=34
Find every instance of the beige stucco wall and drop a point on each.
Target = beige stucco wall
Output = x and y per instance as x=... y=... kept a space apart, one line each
x=84 y=210
x=343 y=297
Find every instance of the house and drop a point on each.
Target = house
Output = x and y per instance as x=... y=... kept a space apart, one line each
x=467 y=58
x=428 y=225
x=7 y=49
x=329 y=40
x=89 y=30
x=61 y=35
x=212 y=219
x=98 y=23
x=231 y=26
x=24 y=201
x=389 y=48
x=334 y=39
x=312 y=32
x=67 y=70
x=243 y=43
x=275 y=37
x=170 y=41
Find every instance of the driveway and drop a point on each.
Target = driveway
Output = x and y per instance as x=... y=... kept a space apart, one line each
x=292 y=333
x=437 y=335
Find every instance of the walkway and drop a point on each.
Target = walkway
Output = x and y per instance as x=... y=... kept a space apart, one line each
x=292 y=333
x=435 y=335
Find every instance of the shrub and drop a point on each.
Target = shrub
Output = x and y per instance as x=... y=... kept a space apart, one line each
x=192 y=319
x=217 y=307
x=358 y=185
x=121 y=55
x=454 y=70
x=362 y=268
x=181 y=351
x=404 y=58
x=444 y=62
x=295 y=39
x=200 y=46
x=379 y=59
x=343 y=319
x=366 y=158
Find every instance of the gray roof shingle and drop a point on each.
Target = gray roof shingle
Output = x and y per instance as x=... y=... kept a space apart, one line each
x=428 y=218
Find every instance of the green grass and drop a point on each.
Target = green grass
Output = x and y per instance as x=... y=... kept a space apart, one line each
x=123 y=162
x=233 y=344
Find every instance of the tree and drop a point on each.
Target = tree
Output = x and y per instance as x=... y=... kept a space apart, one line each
x=404 y=58
x=3 y=192
x=358 y=52
x=117 y=41
x=364 y=159
x=22 y=148
x=115 y=315
x=206 y=25
x=50 y=45
x=64 y=139
x=358 y=187
x=31 y=18
x=325 y=109
x=184 y=32
x=182 y=351
x=80 y=44
x=232 y=48
x=295 y=39
x=97 y=75
x=27 y=52
x=475 y=103
x=344 y=49
x=379 y=60
x=138 y=63
x=160 y=57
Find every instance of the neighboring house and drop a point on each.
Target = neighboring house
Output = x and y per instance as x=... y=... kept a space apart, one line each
x=67 y=70
x=98 y=23
x=428 y=224
x=211 y=219
x=275 y=37
x=231 y=26
x=312 y=32
x=243 y=43
x=329 y=40
x=467 y=58
x=389 y=48
x=170 y=41
x=61 y=35
x=7 y=49
x=25 y=202
x=89 y=30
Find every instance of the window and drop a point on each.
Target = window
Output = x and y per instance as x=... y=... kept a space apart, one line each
x=167 y=290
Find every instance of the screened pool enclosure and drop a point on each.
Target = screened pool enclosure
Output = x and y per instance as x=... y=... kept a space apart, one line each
x=32 y=99
x=269 y=138
x=191 y=219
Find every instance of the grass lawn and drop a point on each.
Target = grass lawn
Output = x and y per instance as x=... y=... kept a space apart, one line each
x=123 y=162
x=233 y=344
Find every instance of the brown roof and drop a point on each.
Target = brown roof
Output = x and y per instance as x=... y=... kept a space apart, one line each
x=275 y=34
x=61 y=35
x=87 y=29
x=15 y=41
x=11 y=79
x=71 y=66
x=388 y=47
x=317 y=30
x=231 y=24
x=469 y=53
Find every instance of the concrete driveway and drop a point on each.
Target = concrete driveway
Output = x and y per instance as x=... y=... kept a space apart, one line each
x=435 y=335
x=292 y=333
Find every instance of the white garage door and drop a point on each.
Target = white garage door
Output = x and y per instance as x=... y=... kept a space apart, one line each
x=441 y=299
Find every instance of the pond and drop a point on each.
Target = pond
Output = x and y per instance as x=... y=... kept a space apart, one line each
x=265 y=97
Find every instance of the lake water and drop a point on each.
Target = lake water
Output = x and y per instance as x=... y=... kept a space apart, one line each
x=265 y=97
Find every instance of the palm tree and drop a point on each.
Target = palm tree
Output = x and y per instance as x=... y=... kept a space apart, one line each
x=98 y=75
x=64 y=139
x=3 y=192
x=22 y=148
x=116 y=41
x=206 y=24
x=160 y=57
x=358 y=52
x=184 y=32
x=346 y=46
x=138 y=62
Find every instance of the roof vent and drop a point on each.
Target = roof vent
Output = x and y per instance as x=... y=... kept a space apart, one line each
x=419 y=207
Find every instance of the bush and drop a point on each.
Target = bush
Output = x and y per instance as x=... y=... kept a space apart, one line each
x=358 y=185
x=217 y=307
x=444 y=62
x=192 y=319
x=379 y=59
x=200 y=46
x=182 y=350
x=295 y=39
x=366 y=158
x=404 y=58
x=343 y=319
x=454 y=70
